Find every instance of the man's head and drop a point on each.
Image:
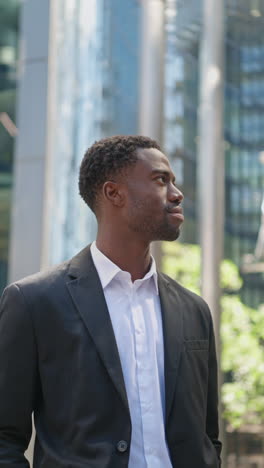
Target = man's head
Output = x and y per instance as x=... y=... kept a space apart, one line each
x=106 y=159
x=128 y=181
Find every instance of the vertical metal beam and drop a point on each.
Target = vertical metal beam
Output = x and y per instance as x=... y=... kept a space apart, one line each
x=211 y=159
x=152 y=77
x=152 y=68
x=210 y=154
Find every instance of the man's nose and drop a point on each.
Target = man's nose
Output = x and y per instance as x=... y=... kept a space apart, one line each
x=175 y=194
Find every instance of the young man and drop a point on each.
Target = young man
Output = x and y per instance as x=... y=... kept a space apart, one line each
x=116 y=361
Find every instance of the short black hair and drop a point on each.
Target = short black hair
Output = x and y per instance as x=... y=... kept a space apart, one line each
x=105 y=159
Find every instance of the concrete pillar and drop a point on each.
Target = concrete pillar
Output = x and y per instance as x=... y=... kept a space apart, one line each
x=152 y=69
x=211 y=154
x=31 y=144
x=211 y=159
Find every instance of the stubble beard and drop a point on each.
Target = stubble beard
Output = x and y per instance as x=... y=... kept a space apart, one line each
x=141 y=223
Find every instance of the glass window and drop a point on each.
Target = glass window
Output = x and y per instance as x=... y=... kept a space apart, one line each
x=97 y=96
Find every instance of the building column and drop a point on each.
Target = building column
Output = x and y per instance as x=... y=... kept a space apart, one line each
x=152 y=78
x=211 y=159
x=31 y=149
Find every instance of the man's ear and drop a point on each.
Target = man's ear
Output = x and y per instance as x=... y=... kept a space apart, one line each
x=112 y=192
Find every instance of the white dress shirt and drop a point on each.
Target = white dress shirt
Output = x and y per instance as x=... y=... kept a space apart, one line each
x=135 y=313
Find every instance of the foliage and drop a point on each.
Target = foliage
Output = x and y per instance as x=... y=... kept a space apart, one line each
x=183 y=262
x=242 y=334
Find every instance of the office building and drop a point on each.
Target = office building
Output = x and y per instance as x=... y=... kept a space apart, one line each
x=78 y=82
x=243 y=123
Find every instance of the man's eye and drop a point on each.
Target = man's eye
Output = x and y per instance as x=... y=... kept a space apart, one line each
x=162 y=178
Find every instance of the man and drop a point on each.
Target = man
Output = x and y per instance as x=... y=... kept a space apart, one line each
x=116 y=361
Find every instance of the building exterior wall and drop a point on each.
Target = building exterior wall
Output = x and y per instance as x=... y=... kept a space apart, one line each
x=95 y=80
x=243 y=124
x=30 y=152
x=244 y=140
x=78 y=82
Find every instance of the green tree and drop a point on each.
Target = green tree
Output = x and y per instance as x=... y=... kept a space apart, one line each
x=242 y=334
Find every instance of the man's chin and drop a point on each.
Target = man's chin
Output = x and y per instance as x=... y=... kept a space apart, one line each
x=174 y=236
x=170 y=235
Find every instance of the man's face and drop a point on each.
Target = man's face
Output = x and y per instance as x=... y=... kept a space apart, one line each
x=153 y=201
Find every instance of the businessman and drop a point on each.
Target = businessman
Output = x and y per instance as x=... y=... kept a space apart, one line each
x=115 y=360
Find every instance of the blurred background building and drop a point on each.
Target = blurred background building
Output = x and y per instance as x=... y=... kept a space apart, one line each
x=73 y=68
x=243 y=123
x=78 y=82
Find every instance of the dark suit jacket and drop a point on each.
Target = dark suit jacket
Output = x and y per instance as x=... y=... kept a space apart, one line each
x=59 y=359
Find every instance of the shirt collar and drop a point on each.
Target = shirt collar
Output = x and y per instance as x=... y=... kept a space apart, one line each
x=107 y=270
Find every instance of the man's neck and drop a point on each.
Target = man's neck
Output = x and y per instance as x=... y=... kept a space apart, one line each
x=130 y=257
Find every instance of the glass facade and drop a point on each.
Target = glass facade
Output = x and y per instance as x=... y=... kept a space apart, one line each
x=96 y=96
x=181 y=103
x=243 y=122
x=244 y=119
x=8 y=67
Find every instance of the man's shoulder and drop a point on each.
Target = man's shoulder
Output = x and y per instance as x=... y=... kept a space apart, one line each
x=47 y=275
x=47 y=279
x=52 y=282
x=52 y=276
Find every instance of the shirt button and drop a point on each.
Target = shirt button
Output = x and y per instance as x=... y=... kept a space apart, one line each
x=121 y=446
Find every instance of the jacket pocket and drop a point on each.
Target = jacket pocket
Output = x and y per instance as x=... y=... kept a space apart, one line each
x=196 y=345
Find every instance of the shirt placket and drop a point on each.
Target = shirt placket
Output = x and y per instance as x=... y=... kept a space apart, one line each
x=144 y=375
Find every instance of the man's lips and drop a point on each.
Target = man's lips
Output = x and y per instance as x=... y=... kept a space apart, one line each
x=176 y=212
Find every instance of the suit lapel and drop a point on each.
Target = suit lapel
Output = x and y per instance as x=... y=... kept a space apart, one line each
x=88 y=297
x=87 y=294
x=172 y=318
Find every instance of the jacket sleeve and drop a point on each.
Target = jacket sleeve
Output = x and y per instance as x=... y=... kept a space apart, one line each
x=212 y=425
x=17 y=378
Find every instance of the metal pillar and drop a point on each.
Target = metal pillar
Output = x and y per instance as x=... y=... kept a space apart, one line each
x=211 y=161
x=152 y=68
x=152 y=77
x=210 y=155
